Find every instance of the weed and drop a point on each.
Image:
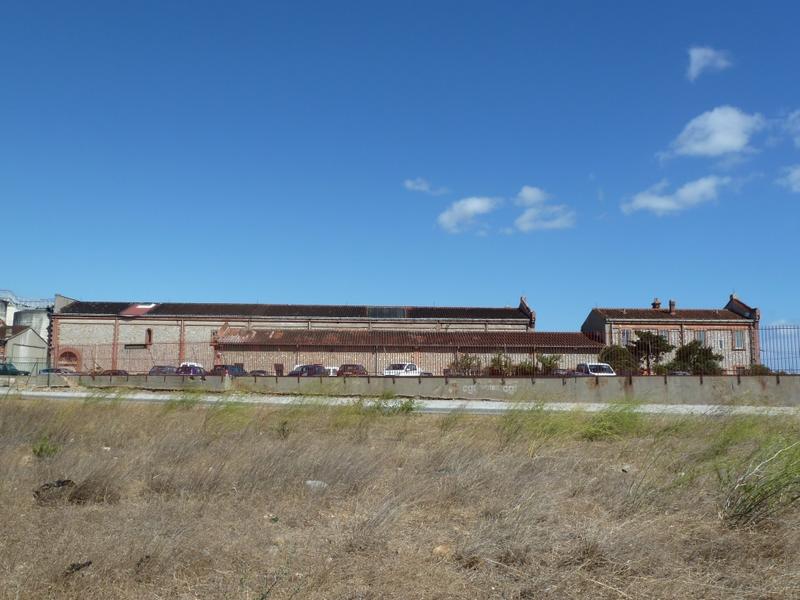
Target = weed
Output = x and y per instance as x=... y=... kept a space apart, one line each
x=763 y=485
x=44 y=448
x=616 y=421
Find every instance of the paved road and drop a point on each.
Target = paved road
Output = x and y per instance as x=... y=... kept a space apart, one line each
x=476 y=407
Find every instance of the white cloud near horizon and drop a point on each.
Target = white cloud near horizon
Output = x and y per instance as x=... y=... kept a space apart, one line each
x=461 y=214
x=420 y=184
x=657 y=201
x=722 y=130
x=538 y=214
x=791 y=178
x=705 y=58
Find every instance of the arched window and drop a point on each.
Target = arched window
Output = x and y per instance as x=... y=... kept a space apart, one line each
x=69 y=360
x=148 y=337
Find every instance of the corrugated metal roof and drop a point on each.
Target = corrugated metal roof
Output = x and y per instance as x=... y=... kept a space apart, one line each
x=690 y=314
x=296 y=310
x=407 y=339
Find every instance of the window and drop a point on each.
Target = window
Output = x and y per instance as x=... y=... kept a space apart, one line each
x=700 y=336
x=625 y=337
x=738 y=340
x=148 y=337
x=721 y=341
x=664 y=334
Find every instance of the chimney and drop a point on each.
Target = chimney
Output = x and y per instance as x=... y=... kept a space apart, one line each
x=672 y=307
x=656 y=304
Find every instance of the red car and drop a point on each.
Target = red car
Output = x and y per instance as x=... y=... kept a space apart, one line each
x=352 y=371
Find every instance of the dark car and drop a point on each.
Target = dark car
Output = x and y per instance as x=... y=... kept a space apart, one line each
x=352 y=371
x=114 y=372
x=191 y=371
x=10 y=369
x=58 y=371
x=309 y=371
x=259 y=373
x=163 y=370
x=229 y=370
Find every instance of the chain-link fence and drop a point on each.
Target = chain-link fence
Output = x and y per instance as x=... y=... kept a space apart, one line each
x=755 y=352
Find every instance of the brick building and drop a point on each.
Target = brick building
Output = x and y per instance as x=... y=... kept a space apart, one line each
x=732 y=331
x=136 y=336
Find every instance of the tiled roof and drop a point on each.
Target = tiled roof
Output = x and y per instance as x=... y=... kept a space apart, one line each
x=662 y=314
x=294 y=310
x=408 y=339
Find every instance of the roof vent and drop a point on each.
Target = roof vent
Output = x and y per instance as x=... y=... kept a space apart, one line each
x=656 y=304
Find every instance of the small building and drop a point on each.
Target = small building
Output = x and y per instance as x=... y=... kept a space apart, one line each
x=25 y=312
x=23 y=347
x=732 y=331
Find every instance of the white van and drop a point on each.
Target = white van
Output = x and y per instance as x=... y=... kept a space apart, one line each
x=595 y=370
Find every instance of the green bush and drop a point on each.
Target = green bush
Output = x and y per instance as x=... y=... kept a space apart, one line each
x=44 y=448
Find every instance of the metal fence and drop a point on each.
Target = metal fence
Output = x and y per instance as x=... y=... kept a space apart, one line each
x=774 y=349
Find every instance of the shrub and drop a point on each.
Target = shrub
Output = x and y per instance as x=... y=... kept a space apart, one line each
x=549 y=362
x=44 y=448
x=465 y=364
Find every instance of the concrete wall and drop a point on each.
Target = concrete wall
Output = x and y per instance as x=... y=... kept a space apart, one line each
x=767 y=391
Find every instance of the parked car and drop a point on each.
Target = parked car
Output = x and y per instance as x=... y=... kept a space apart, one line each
x=562 y=373
x=191 y=370
x=114 y=373
x=58 y=371
x=229 y=370
x=352 y=370
x=332 y=371
x=402 y=370
x=163 y=370
x=594 y=370
x=192 y=364
x=259 y=373
x=10 y=369
x=308 y=371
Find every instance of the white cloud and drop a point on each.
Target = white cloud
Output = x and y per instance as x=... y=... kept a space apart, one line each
x=688 y=195
x=557 y=216
x=539 y=214
x=719 y=131
x=420 y=184
x=461 y=214
x=792 y=125
x=791 y=179
x=530 y=196
x=703 y=58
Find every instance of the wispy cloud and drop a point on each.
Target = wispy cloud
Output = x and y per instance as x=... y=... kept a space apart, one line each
x=461 y=215
x=704 y=58
x=791 y=178
x=723 y=130
x=419 y=184
x=792 y=125
x=538 y=214
x=657 y=201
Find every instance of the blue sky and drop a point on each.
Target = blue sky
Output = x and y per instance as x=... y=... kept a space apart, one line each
x=432 y=153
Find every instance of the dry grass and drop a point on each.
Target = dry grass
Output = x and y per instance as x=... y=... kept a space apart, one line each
x=189 y=501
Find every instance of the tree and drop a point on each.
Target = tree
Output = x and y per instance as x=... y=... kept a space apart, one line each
x=620 y=359
x=650 y=348
x=549 y=362
x=697 y=359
